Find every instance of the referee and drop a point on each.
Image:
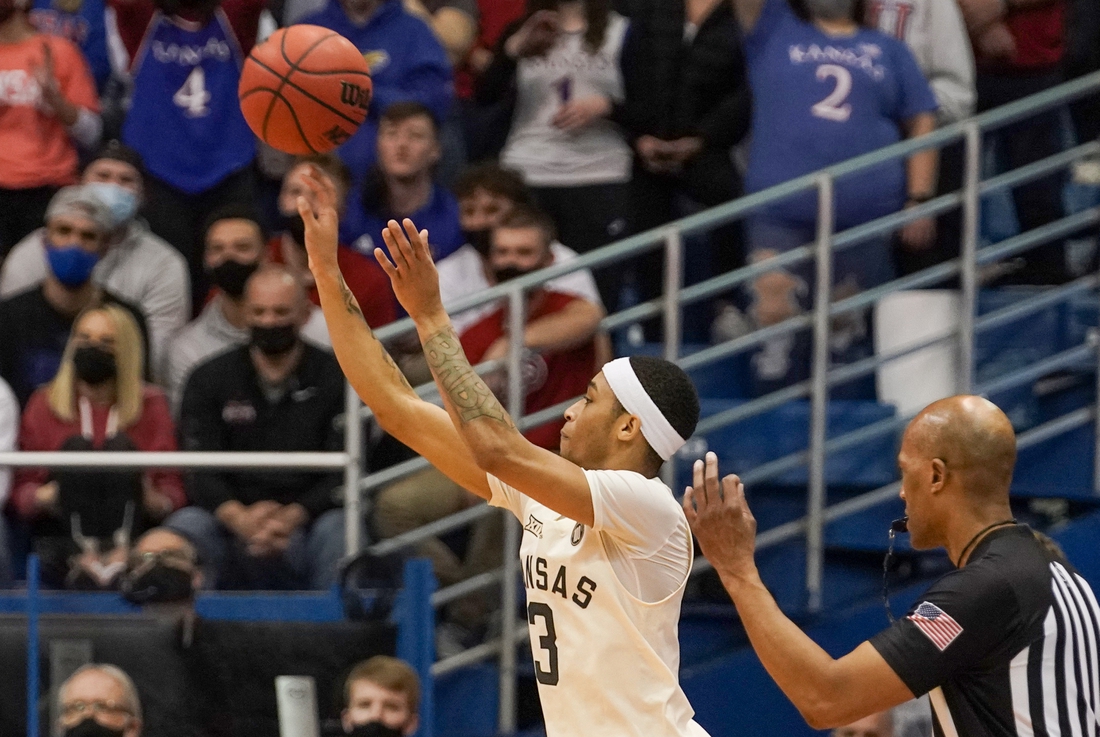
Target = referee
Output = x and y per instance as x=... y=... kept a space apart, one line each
x=1004 y=645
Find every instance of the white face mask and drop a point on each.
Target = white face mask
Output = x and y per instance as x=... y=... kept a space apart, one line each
x=121 y=201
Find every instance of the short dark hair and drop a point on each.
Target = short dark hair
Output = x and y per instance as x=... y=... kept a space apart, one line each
x=234 y=211
x=401 y=111
x=672 y=390
x=495 y=179
x=527 y=216
x=119 y=151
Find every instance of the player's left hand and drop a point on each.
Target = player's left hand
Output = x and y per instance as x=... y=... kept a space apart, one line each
x=411 y=270
x=721 y=521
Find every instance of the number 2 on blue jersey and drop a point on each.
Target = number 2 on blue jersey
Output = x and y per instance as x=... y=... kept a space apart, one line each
x=833 y=106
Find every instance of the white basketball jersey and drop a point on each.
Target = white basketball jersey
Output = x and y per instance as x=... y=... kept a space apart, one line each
x=606 y=661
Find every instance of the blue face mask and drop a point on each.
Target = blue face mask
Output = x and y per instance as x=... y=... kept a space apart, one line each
x=122 y=202
x=72 y=265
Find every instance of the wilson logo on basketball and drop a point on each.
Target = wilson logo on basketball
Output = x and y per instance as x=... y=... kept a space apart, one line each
x=354 y=95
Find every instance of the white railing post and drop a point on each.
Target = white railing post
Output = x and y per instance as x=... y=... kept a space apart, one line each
x=353 y=498
x=674 y=281
x=968 y=263
x=517 y=312
x=819 y=397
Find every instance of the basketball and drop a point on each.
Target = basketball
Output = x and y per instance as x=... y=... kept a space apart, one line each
x=305 y=90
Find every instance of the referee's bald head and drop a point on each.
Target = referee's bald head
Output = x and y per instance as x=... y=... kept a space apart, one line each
x=972 y=437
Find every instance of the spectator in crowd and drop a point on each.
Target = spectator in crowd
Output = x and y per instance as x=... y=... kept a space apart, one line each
x=138 y=266
x=162 y=568
x=9 y=425
x=401 y=184
x=35 y=324
x=487 y=194
x=687 y=103
x=407 y=64
x=826 y=89
x=184 y=59
x=485 y=128
x=275 y=529
x=97 y=401
x=1083 y=56
x=234 y=249
x=935 y=33
x=553 y=374
x=98 y=699
x=562 y=65
x=382 y=696
x=50 y=108
x=85 y=24
x=1020 y=46
x=361 y=271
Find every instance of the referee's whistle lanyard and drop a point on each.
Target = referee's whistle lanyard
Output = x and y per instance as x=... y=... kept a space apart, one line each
x=901 y=524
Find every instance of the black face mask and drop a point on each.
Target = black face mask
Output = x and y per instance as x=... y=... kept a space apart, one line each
x=275 y=340
x=157 y=584
x=230 y=276
x=374 y=729
x=91 y=728
x=94 y=365
x=508 y=273
x=480 y=240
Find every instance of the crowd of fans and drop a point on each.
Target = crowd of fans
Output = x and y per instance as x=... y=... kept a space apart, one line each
x=154 y=290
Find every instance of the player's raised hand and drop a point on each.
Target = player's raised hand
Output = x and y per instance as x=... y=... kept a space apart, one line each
x=411 y=269
x=721 y=521
x=318 y=211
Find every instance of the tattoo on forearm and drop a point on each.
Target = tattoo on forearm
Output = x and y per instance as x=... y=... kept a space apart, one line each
x=350 y=303
x=352 y=306
x=466 y=390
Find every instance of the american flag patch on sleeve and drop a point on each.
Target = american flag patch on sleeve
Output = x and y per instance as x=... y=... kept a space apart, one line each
x=936 y=624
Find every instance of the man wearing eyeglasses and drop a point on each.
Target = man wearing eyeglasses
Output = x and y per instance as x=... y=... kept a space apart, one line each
x=99 y=701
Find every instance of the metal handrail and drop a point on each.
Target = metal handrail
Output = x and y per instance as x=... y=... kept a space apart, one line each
x=669 y=306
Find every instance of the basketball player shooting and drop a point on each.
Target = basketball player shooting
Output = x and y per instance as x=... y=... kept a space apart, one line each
x=606 y=549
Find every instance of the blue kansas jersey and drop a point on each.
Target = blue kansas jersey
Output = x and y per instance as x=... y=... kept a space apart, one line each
x=821 y=99
x=185 y=118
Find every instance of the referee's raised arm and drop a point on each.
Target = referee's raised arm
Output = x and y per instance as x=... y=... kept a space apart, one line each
x=983 y=641
x=827 y=692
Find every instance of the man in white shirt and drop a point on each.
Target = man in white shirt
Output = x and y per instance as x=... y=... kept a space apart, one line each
x=138 y=266
x=606 y=551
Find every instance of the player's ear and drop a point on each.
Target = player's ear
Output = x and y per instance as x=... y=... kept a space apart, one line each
x=627 y=427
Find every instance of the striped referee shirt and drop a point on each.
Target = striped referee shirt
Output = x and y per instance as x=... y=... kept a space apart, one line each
x=1006 y=645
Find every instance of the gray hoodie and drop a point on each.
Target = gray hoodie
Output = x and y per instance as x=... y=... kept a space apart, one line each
x=935 y=33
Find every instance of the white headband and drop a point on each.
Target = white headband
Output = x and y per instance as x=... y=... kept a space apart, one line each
x=662 y=437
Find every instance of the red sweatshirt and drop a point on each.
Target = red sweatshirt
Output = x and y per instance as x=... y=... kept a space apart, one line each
x=41 y=429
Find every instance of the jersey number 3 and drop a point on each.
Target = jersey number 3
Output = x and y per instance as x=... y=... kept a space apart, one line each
x=833 y=107
x=549 y=642
x=193 y=96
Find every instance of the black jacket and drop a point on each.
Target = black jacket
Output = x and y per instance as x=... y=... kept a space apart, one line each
x=676 y=89
x=224 y=409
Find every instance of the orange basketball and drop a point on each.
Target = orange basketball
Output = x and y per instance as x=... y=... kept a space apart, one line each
x=305 y=90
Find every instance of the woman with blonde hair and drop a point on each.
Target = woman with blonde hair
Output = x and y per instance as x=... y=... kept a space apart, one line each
x=97 y=401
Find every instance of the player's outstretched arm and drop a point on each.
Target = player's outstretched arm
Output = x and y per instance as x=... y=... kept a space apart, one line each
x=481 y=420
x=371 y=371
x=827 y=692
